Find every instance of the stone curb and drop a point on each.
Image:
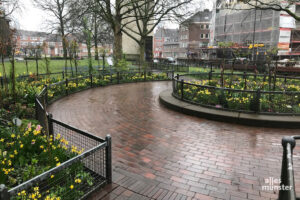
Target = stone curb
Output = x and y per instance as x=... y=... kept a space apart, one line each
x=277 y=121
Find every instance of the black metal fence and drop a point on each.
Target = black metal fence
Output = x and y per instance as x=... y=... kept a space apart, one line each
x=71 y=85
x=92 y=166
x=287 y=185
x=241 y=100
x=169 y=67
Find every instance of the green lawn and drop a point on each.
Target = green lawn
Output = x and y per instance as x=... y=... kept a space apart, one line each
x=55 y=66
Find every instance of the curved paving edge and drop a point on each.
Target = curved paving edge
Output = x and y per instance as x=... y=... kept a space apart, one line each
x=171 y=102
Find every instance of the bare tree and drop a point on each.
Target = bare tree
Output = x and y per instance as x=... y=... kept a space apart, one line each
x=286 y=6
x=147 y=16
x=101 y=34
x=46 y=59
x=7 y=7
x=114 y=13
x=25 y=50
x=63 y=15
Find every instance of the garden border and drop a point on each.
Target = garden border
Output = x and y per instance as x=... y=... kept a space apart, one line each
x=178 y=92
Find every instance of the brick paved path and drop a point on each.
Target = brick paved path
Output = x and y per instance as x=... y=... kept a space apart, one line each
x=162 y=154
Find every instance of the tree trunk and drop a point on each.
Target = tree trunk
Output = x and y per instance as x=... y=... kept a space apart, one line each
x=96 y=50
x=26 y=62
x=96 y=39
x=117 y=43
x=4 y=74
x=37 y=64
x=71 y=65
x=90 y=58
x=13 y=73
x=47 y=63
x=142 y=53
x=76 y=64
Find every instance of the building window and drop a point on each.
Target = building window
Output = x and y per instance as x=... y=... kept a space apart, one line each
x=207 y=26
x=206 y=36
x=202 y=36
x=202 y=26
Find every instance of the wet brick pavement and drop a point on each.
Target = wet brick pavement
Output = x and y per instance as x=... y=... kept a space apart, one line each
x=162 y=154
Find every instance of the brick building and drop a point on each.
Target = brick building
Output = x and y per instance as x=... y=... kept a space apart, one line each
x=164 y=38
x=54 y=48
x=194 y=34
x=171 y=44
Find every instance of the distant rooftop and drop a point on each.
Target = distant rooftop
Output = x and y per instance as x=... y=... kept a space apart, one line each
x=201 y=16
x=165 y=32
x=32 y=33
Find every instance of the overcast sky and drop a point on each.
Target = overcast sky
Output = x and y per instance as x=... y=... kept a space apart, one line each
x=31 y=18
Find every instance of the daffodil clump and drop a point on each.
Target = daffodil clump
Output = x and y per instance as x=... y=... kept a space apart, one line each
x=97 y=80
x=26 y=152
x=239 y=82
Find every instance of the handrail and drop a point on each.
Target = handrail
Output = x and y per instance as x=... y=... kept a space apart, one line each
x=239 y=90
x=177 y=77
x=287 y=184
x=239 y=74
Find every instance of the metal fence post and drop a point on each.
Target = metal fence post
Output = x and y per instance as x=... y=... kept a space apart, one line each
x=258 y=99
x=118 y=77
x=50 y=124
x=67 y=83
x=285 y=79
x=46 y=95
x=145 y=76
x=110 y=76
x=287 y=173
x=1 y=80
x=36 y=108
x=63 y=75
x=245 y=80
x=108 y=160
x=4 y=195
x=181 y=87
x=91 y=79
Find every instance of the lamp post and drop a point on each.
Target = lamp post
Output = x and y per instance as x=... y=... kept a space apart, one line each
x=254 y=29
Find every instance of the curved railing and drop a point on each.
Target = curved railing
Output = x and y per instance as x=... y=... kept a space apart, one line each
x=287 y=184
x=256 y=93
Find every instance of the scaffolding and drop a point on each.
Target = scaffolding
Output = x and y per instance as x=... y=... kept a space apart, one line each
x=238 y=26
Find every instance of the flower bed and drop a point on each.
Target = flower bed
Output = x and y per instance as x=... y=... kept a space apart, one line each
x=25 y=153
x=252 y=94
x=23 y=103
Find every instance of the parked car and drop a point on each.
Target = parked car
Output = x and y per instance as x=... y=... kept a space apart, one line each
x=19 y=59
x=156 y=61
x=170 y=60
x=109 y=61
x=242 y=60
